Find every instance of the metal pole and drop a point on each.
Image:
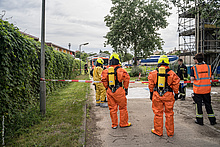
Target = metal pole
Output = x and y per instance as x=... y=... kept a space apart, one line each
x=80 y=58
x=197 y=27
x=42 y=67
x=203 y=36
x=69 y=45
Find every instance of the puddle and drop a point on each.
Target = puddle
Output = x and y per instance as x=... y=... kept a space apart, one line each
x=138 y=92
x=143 y=92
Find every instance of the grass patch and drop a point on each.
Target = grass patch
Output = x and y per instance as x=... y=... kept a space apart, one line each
x=133 y=78
x=62 y=123
x=143 y=68
x=128 y=69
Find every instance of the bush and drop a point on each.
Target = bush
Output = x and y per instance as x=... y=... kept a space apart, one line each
x=20 y=77
x=135 y=72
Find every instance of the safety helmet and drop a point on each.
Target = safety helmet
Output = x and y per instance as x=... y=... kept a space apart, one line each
x=163 y=60
x=114 y=59
x=99 y=62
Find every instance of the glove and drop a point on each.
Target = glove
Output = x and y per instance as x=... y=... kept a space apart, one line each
x=151 y=95
x=176 y=97
x=193 y=96
x=126 y=91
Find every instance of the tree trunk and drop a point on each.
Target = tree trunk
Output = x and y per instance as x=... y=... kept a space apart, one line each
x=135 y=54
x=135 y=58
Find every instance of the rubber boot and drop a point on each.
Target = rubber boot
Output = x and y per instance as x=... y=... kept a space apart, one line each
x=152 y=131
x=104 y=105
x=129 y=125
x=183 y=98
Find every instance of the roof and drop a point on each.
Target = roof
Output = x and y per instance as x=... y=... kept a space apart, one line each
x=57 y=46
x=31 y=36
x=154 y=59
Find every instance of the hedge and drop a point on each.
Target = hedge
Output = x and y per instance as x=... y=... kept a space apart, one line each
x=20 y=77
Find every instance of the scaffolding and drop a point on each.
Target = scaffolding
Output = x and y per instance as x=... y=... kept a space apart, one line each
x=198 y=34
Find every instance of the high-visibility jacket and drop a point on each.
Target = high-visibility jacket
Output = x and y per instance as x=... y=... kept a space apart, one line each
x=202 y=74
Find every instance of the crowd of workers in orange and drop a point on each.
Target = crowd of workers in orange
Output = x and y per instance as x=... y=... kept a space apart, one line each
x=164 y=86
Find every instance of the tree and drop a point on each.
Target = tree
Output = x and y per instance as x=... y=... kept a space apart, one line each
x=163 y=53
x=107 y=52
x=134 y=24
x=77 y=54
x=83 y=56
x=127 y=57
x=91 y=54
x=176 y=53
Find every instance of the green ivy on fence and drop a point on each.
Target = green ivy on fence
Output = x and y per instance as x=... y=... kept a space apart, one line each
x=20 y=77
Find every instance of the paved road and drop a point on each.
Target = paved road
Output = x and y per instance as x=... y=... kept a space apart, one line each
x=187 y=133
x=142 y=91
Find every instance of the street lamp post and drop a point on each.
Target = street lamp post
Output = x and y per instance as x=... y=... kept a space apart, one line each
x=42 y=68
x=69 y=45
x=80 y=53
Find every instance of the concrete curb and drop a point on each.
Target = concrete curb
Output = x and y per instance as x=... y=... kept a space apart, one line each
x=84 y=127
x=83 y=137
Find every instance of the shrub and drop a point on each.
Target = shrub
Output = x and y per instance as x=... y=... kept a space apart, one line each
x=20 y=77
x=135 y=71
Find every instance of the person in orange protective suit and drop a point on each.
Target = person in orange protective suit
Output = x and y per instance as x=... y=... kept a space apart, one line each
x=116 y=95
x=100 y=89
x=162 y=97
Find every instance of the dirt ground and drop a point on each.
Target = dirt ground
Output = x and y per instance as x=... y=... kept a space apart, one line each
x=91 y=124
x=187 y=108
x=187 y=133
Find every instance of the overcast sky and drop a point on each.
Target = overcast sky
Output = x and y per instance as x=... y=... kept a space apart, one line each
x=75 y=22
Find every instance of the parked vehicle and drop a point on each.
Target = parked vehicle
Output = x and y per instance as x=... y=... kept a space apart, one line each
x=105 y=65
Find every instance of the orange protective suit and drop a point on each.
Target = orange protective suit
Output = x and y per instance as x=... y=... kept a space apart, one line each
x=163 y=103
x=117 y=98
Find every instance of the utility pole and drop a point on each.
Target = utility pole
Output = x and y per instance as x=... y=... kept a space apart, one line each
x=80 y=56
x=42 y=64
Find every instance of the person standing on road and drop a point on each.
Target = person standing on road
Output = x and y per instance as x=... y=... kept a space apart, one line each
x=112 y=79
x=86 y=68
x=182 y=73
x=100 y=89
x=201 y=75
x=162 y=83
